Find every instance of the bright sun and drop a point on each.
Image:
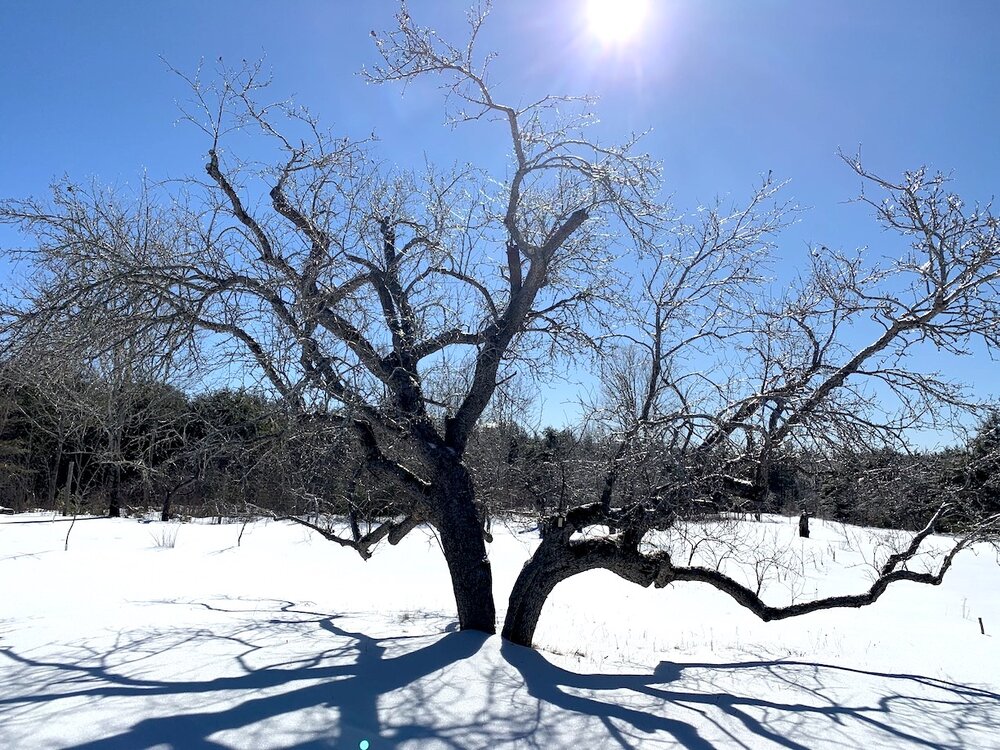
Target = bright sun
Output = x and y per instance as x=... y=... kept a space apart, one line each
x=616 y=21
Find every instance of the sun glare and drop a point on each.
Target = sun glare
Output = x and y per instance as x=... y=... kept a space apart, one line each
x=616 y=21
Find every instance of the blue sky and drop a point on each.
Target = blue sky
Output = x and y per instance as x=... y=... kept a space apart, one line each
x=730 y=88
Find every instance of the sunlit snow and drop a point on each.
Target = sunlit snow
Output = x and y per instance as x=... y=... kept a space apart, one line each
x=289 y=641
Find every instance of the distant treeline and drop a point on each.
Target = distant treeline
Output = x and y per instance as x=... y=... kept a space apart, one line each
x=94 y=447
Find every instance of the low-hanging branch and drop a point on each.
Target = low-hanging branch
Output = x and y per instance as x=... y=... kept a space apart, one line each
x=392 y=531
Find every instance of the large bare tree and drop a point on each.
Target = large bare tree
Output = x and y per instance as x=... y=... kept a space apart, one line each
x=396 y=304
x=347 y=286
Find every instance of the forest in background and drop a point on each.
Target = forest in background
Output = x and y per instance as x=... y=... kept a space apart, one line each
x=92 y=446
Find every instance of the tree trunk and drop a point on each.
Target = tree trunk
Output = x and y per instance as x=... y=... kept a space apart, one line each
x=531 y=589
x=461 y=532
x=53 y=487
x=67 y=500
x=114 y=504
x=168 y=497
x=557 y=558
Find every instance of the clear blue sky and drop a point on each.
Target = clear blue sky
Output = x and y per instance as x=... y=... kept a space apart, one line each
x=730 y=88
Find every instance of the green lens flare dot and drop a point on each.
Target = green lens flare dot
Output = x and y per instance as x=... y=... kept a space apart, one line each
x=364 y=745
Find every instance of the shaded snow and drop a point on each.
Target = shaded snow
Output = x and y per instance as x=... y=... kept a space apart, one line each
x=290 y=641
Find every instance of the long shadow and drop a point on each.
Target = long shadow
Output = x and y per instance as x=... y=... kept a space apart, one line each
x=351 y=678
x=353 y=688
x=956 y=709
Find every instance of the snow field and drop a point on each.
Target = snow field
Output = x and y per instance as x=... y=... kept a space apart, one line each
x=290 y=641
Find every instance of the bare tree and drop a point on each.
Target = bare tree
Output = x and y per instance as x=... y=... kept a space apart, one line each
x=781 y=374
x=349 y=283
x=354 y=292
x=105 y=399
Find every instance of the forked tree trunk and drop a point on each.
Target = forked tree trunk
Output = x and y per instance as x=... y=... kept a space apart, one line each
x=168 y=497
x=461 y=532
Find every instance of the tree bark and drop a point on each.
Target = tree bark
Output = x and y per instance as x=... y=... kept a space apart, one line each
x=557 y=558
x=461 y=531
x=531 y=590
x=54 y=479
x=114 y=503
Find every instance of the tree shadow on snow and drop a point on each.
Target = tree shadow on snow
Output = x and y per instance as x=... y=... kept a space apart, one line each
x=350 y=687
x=261 y=692
x=730 y=698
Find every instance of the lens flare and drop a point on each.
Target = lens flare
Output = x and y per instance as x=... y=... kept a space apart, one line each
x=616 y=21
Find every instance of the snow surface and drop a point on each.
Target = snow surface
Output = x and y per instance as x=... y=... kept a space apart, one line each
x=288 y=640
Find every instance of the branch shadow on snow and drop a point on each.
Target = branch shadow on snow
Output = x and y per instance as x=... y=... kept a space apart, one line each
x=349 y=676
x=346 y=687
x=809 y=717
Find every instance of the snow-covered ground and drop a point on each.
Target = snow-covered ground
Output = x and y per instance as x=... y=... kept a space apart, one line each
x=290 y=641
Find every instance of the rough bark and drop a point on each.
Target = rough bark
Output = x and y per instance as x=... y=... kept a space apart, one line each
x=461 y=531
x=535 y=582
x=557 y=558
